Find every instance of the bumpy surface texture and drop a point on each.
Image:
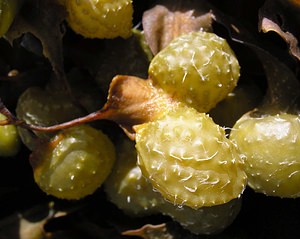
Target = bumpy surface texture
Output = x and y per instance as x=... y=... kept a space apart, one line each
x=127 y=188
x=75 y=164
x=205 y=220
x=272 y=148
x=100 y=18
x=199 y=69
x=130 y=191
x=188 y=159
x=41 y=107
